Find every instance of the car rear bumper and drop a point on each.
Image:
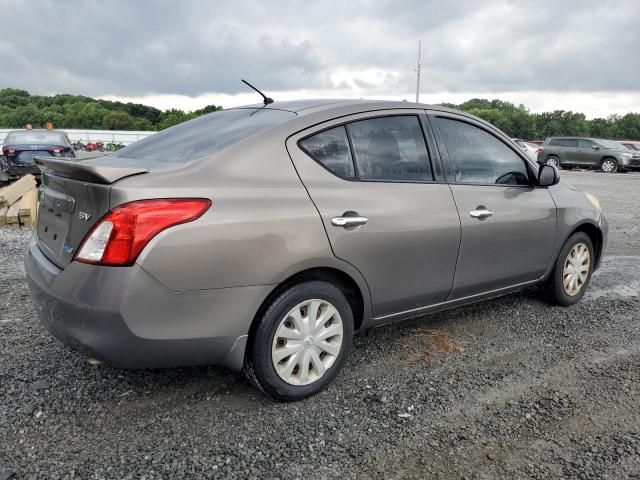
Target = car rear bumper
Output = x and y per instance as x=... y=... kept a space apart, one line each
x=12 y=172
x=123 y=316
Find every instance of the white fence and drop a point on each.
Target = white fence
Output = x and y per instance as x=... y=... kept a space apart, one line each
x=105 y=136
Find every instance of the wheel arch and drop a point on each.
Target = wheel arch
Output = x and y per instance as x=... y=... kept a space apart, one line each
x=357 y=298
x=595 y=235
x=609 y=157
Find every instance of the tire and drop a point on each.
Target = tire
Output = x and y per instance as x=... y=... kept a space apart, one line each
x=554 y=287
x=553 y=161
x=282 y=376
x=609 y=165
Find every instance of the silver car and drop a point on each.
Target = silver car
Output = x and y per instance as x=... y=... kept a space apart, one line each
x=262 y=237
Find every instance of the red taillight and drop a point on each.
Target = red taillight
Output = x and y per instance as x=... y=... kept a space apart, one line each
x=56 y=149
x=538 y=150
x=9 y=151
x=119 y=237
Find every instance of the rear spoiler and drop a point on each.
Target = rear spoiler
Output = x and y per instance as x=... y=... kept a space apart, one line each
x=86 y=172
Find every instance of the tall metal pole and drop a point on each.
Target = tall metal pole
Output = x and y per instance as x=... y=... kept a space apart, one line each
x=418 y=71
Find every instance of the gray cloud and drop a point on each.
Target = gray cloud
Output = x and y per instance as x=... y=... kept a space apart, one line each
x=191 y=47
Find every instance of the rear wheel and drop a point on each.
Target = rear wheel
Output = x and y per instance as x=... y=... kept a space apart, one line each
x=609 y=165
x=572 y=271
x=553 y=161
x=301 y=341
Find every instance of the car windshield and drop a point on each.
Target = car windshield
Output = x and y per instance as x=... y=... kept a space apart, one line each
x=610 y=144
x=34 y=136
x=204 y=135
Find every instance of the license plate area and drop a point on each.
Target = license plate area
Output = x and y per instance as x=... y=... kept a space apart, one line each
x=56 y=210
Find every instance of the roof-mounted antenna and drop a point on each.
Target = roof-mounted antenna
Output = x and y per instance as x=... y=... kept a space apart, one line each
x=266 y=100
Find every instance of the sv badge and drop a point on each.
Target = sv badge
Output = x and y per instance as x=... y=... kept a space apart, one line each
x=84 y=216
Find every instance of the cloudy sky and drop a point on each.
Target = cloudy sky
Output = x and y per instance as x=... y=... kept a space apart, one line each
x=581 y=55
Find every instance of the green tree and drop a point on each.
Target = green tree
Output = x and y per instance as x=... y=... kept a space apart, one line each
x=26 y=115
x=118 y=121
x=172 y=117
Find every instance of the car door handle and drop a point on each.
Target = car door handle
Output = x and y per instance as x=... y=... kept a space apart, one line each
x=480 y=213
x=348 y=221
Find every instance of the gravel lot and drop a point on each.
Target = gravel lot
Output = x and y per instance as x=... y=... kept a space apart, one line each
x=518 y=389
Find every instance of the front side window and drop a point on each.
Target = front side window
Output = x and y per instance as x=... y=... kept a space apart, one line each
x=390 y=148
x=586 y=144
x=480 y=158
x=331 y=149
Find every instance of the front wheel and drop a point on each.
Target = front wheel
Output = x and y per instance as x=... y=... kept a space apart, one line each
x=572 y=271
x=301 y=341
x=609 y=165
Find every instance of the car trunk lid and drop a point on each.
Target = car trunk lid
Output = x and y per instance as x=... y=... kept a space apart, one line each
x=73 y=197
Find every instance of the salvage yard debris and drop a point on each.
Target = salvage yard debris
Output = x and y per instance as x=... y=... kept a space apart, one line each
x=19 y=202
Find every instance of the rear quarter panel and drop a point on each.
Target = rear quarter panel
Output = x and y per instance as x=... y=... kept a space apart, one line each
x=261 y=229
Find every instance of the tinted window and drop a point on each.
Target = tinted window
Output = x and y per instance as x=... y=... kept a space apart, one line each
x=586 y=144
x=204 y=135
x=479 y=157
x=564 y=142
x=390 y=148
x=331 y=149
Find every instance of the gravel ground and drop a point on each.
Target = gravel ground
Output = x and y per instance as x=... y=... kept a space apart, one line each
x=510 y=388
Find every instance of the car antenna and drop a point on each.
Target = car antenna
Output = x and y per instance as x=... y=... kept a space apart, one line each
x=267 y=100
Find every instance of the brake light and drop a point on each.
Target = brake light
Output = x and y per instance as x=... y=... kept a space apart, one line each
x=538 y=150
x=57 y=150
x=119 y=237
x=8 y=151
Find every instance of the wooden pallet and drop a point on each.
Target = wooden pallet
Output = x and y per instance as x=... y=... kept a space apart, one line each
x=19 y=202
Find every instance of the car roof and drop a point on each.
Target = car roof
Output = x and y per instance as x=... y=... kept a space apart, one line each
x=303 y=107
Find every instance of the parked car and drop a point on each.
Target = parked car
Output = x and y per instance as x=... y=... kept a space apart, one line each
x=631 y=145
x=262 y=237
x=529 y=148
x=607 y=155
x=20 y=146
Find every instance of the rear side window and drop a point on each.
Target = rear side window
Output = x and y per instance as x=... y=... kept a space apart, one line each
x=564 y=142
x=480 y=158
x=331 y=149
x=204 y=135
x=390 y=148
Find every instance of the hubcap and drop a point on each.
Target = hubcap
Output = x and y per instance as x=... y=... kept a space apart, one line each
x=608 y=166
x=576 y=269
x=552 y=161
x=307 y=342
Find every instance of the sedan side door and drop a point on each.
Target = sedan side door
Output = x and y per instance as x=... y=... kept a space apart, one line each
x=385 y=208
x=508 y=224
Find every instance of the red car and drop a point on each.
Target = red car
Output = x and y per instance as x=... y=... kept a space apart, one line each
x=631 y=144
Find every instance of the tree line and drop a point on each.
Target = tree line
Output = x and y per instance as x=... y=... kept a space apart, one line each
x=18 y=108
x=518 y=122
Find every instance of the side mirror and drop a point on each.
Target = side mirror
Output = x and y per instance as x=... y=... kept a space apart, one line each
x=595 y=147
x=548 y=175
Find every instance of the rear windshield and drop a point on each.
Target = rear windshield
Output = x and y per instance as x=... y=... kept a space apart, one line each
x=34 y=136
x=204 y=135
